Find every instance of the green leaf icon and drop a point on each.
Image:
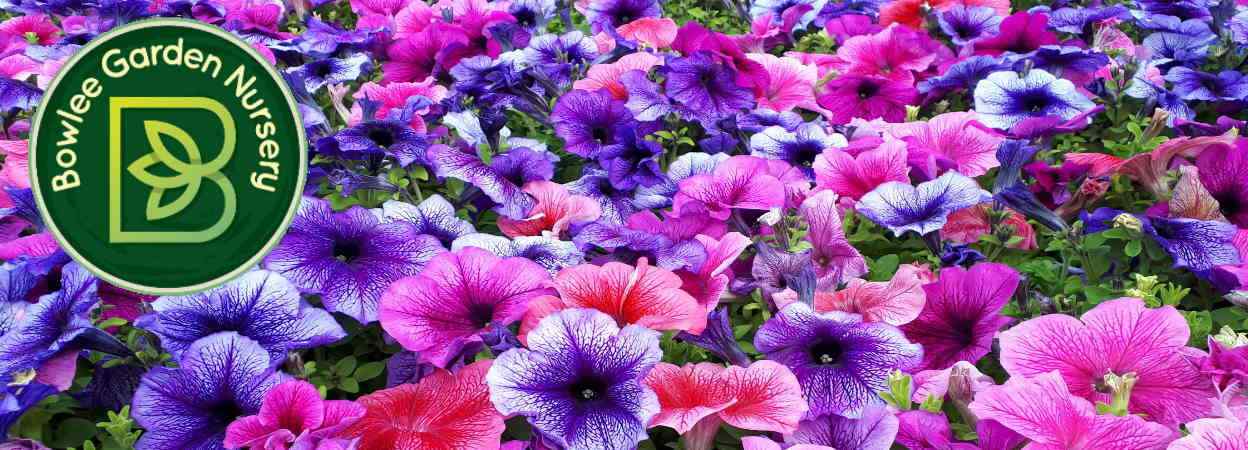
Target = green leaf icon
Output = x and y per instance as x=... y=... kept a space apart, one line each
x=189 y=174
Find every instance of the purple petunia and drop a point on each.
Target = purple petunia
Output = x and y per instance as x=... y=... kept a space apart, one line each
x=962 y=314
x=1006 y=98
x=703 y=89
x=260 y=305
x=587 y=121
x=434 y=217
x=579 y=382
x=1191 y=84
x=923 y=209
x=964 y=25
x=840 y=361
x=348 y=257
x=219 y=379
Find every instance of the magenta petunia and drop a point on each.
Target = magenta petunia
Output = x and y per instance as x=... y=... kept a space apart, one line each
x=868 y=97
x=293 y=416
x=741 y=182
x=955 y=136
x=1042 y=409
x=962 y=313
x=457 y=297
x=896 y=53
x=1116 y=337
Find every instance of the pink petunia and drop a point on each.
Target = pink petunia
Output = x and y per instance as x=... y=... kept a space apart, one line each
x=962 y=313
x=19 y=32
x=852 y=176
x=1119 y=337
x=896 y=53
x=762 y=443
x=395 y=96
x=740 y=182
x=655 y=32
x=445 y=411
x=607 y=76
x=896 y=302
x=925 y=430
x=1041 y=409
x=456 y=297
x=834 y=258
x=293 y=416
x=16 y=171
x=850 y=97
x=792 y=84
x=1213 y=434
x=954 y=136
x=711 y=280
x=696 y=398
x=555 y=210
x=642 y=294
x=967 y=225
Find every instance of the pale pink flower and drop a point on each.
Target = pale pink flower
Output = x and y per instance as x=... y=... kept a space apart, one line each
x=853 y=176
x=655 y=32
x=607 y=76
x=954 y=136
x=791 y=84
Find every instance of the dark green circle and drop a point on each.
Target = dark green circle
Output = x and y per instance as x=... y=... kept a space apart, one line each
x=80 y=217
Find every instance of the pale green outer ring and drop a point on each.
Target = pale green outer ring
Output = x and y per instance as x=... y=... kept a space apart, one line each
x=301 y=179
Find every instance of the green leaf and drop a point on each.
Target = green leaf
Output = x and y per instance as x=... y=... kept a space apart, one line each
x=349 y=385
x=345 y=366
x=72 y=432
x=369 y=371
x=1201 y=323
x=1133 y=248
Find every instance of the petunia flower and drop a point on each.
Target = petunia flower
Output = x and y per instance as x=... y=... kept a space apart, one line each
x=634 y=160
x=1198 y=245
x=603 y=14
x=348 y=257
x=444 y=411
x=1212 y=434
x=840 y=361
x=895 y=302
x=1223 y=171
x=455 y=298
x=293 y=416
x=319 y=73
x=741 y=182
x=554 y=211
x=587 y=120
x=963 y=75
x=912 y=12
x=1022 y=32
x=695 y=399
x=852 y=176
x=608 y=75
x=655 y=32
x=964 y=25
x=868 y=97
x=463 y=163
x=798 y=147
x=835 y=259
x=791 y=83
x=962 y=313
x=434 y=217
x=896 y=53
x=952 y=135
x=44 y=339
x=642 y=294
x=218 y=379
x=260 y=305
x=703 y=89
x=1006 y=98
x=1116 y=337
x=876 y=429
x=581 y=374
x=923 y=209
x=967 y=225
x=548 y=252
x=1041 y=409
x=763 y=443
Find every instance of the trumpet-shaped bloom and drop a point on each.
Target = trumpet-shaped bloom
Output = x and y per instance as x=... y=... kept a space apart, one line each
x=1116 y=337
x=764 y=396
x=554 y=210
x=348 y=257
x=962 y=314
x=834 y=258
x=741 y=182
x=457 y=297
x=897 y=52
x=1041 y=409
x=293 y=416
x=434 y=216
x=587 y=121
x=704 y=89
x=260 y=305
x=1004 y=98
x=852 y=176
x=954 y=136
x=923 y=209
x=1224 y=172
x=895 y=302
x=218 y=379
x=444 y=411
x=791 y=84
x=840 y=361
x=580 y=381
x=868 y=97
x=876 y=429
x=642 y=294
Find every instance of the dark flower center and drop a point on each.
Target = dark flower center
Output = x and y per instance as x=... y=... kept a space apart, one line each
x=600 y=134
x=1230 y=202
x=867 y=90
x=346 y=251
x=381 y=136
x=588 y=389
x=481 y=314
x=322 y=70
x=1034 y=102
x=827 y=352
x=526 y=17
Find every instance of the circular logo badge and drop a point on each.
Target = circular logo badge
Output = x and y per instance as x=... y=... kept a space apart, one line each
x=167 y=156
